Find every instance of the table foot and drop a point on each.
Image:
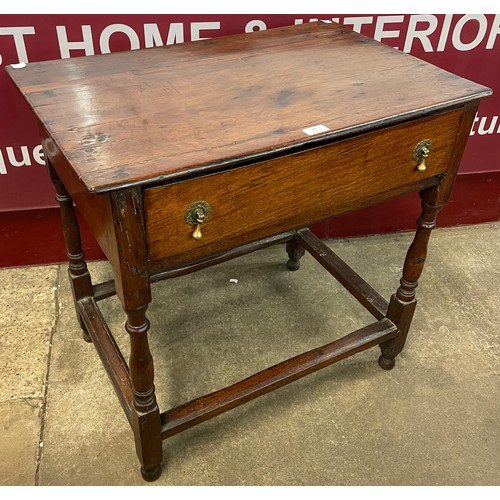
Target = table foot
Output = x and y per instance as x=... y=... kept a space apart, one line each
x=152 y=474
x=295 y=252
x=386 y=363
x=86 y=336
x=293 y=265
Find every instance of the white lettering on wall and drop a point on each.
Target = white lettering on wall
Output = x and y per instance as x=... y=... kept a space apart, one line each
x=420 y=28
x=25 y=157
x=66 y=46
x=152 y=36
x=444 y=32
x=197 y=27
x=429 y=32
x=358 y=22
x=495 y=31
x=118 y=28
x=381 y=33
x=315 y=20
x=18 y=33
x=483 y=128
x=38 y=155
x=456 y=40
x=420 y=34
x=256 y=25
x=20 y=157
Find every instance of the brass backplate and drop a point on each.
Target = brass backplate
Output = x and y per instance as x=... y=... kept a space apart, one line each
x=197 y=212
x=422 y=150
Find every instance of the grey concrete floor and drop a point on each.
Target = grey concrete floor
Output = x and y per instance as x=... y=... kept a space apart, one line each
x=433 y=420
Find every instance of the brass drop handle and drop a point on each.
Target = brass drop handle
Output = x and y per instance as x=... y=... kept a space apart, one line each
x=200 y=219
x=421 y=152
x=196 y=214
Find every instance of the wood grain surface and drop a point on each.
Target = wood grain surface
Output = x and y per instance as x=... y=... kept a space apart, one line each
x=146 y=115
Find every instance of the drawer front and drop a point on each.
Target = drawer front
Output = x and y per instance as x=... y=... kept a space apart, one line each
x=263 y=199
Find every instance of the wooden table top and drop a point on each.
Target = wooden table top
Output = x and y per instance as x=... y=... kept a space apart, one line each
x=142 y=116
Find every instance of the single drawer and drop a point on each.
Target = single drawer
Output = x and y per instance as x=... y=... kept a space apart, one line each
x=259 y=200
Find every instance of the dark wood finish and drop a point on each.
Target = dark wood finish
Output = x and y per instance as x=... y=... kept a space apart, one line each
x=107 y=289
x=146 y=418
x=109 y=352
x=403 y=302
x=216 y=102
x=79 y=276
x=132 y=275
x=134 y=138
x=95 y=210
x=134 y=290
x=464 y=129
x=295 y=252
x=279 y=195
x=104 y=290
x=211 y=405
x=199 y=264
x=351 y=281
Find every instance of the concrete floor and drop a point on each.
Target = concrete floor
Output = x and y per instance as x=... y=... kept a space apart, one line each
x=433 y=420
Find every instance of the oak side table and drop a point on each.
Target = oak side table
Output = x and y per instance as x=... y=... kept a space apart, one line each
x=185 y=156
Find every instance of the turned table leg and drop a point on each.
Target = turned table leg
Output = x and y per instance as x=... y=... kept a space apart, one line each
x=134 y=292
x=403 y=302
x=295 y=252
x=146 y=418
x=81 y=283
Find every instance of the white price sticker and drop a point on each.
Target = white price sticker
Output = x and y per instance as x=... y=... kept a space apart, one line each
x=316 y=129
